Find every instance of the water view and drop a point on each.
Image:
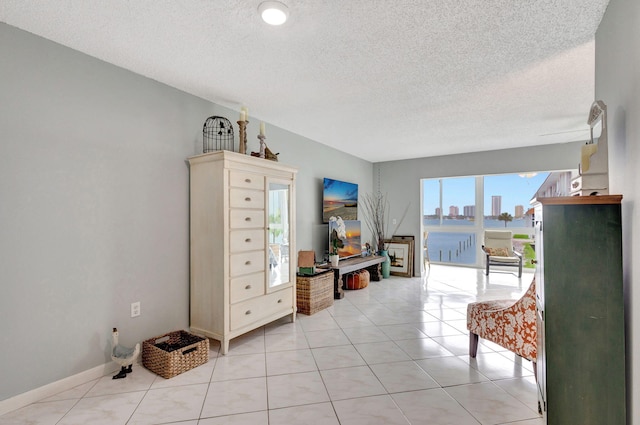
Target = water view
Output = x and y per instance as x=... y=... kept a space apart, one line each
x=462 y=247
x=470 y=204
x=488 y=222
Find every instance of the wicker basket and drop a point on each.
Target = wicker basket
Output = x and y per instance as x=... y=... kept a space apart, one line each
x=171 y=354
x=314 y=293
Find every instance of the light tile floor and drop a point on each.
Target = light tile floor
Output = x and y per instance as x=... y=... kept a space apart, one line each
x=395 y=352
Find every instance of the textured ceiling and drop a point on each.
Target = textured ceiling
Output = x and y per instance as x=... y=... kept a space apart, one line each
x=380 y=79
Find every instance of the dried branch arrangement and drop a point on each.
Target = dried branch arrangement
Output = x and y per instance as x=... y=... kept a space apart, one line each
x=376 y=211
x=376 y=208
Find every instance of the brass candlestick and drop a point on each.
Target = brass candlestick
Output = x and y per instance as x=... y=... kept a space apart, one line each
x=242 y=140
x=263 y=145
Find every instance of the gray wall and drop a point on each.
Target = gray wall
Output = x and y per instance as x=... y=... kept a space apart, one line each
x=93 y=208
x=94 y=205
x=618 y=85
x=406 y=175
x=314 y=162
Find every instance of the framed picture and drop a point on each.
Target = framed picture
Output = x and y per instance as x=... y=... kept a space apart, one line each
x=402 y=237
x=401 y=256
x=407 y=238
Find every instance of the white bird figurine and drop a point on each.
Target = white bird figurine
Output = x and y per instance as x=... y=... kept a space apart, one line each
x=124 y=356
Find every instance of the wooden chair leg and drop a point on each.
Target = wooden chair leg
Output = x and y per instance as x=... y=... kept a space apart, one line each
x=473 y=344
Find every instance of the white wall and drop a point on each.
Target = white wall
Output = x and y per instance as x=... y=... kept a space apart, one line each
x=94 y=205
x=618 y=85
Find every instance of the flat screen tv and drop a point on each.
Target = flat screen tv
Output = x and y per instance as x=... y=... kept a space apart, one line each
x=351 y=244
x=339 y=199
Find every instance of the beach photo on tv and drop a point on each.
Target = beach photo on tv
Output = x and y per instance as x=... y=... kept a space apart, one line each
x=339 y=199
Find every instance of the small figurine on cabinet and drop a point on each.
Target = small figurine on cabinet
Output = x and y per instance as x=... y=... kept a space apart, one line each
x=267 y=155
x=264 y=152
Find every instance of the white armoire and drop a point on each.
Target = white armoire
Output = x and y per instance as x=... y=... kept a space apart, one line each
x=242 y=234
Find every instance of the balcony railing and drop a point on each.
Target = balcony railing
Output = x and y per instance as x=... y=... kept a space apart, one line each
x=459 y=241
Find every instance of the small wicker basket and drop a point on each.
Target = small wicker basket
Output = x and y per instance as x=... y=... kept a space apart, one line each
x=173 y=353
x=314 y=293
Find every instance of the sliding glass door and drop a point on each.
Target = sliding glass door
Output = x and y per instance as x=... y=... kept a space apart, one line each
x=449 y=217
x=457 y=210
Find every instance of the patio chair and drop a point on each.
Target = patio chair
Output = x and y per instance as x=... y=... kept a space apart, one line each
x=498 y=248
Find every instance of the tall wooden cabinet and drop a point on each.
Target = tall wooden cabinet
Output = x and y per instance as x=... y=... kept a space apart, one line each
x=581 y=345
x=242 y=231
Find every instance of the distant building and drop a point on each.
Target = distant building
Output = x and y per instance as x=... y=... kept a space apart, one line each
x=496 y=205
x=469 y=210
x=519 y=212
x=530 y=218
x=438 y=210
x=557 y=183
x=454 y=211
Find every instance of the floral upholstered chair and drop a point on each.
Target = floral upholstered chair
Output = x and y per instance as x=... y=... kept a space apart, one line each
x=508 y=323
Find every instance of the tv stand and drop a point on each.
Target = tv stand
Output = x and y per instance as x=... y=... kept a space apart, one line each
x=349 y=265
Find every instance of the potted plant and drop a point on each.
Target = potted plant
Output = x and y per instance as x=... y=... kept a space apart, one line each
x=337 y=234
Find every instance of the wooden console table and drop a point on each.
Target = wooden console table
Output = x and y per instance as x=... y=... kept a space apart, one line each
x=351 y=265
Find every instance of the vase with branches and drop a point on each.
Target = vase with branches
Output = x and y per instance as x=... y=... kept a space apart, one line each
x=376 y=212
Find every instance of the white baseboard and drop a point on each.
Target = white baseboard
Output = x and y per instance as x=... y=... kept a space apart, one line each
x=37 y=394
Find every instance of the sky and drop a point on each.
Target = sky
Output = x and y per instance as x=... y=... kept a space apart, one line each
x=460 y=191
x=339 y=190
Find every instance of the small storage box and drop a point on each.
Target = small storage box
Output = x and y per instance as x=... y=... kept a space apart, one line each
x=314 y=293
x=307 y=263
x=171 y=354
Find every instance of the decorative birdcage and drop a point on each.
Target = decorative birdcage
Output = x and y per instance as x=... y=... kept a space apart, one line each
x=217 y=135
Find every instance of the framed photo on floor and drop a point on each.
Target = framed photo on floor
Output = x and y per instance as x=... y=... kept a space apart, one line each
x=411 y=238
x=401 y=256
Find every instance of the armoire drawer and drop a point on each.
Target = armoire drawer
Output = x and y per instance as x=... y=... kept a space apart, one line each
x=246 y=263
x=246 y=180
x=245 y=287
x=246 y=219
x=246 y=240
x=246 y=198
x=247 y=312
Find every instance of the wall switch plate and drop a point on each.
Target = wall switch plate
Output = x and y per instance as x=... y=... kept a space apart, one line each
x=135 y=309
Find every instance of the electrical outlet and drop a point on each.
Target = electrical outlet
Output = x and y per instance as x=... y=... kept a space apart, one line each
x=135 y=309
x=394 y=221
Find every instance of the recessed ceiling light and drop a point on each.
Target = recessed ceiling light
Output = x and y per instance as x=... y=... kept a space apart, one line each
x=273 y=12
